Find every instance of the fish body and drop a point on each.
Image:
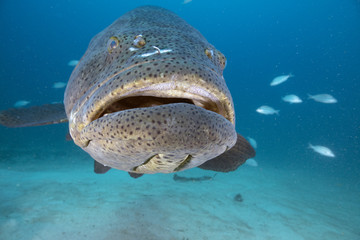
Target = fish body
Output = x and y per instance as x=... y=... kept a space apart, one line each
x=59 y=85
x=266 y=110
x=186 y=1
x=21 y=103
x=323 y=98
x=322 y=150
x=251 y=162
x=280 y=79
x=73 y=63
x=149 y=96
x=291 y=98
x=252 y=142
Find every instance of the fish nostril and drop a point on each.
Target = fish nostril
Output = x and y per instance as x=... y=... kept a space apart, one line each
x=209 y=53
x=139 y=41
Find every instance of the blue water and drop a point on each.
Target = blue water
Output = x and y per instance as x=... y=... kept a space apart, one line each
x=317 y=41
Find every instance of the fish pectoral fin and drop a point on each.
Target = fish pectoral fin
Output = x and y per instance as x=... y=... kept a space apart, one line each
x=33 y=116
x=232 y=158
x=135 y=175
x=100 y=168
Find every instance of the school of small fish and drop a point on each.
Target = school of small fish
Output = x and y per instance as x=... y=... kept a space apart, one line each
x=292 y=98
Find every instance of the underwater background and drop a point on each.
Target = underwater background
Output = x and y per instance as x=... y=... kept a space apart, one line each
x=49 y=190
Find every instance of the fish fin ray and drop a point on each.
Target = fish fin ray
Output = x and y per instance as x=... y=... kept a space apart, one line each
x=33 y=116
x=231 y=159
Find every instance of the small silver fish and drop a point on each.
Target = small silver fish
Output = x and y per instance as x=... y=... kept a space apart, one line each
x=251 y=162
x=267 y=110
x=21 y=103
x=322 y=150
x=186 y=1
x=252 y=142
x=291 y=98
x=280 y=79
x=73 y=63
x=323 y=98
x=59 y=85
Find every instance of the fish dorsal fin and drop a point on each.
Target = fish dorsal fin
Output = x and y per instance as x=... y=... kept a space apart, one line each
x=231 y=159
x=33 y=116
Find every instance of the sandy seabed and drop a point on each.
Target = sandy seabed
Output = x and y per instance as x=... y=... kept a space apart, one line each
x=64 y=199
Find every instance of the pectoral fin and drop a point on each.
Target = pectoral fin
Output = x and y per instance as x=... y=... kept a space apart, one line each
x=135 y=175
x=33 y=116
x=100 y=168
x=231 y=159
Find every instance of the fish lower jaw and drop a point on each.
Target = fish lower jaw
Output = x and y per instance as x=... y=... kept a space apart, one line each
x=160 y=139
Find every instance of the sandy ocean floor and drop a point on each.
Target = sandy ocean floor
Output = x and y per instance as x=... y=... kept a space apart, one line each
x=62 y=198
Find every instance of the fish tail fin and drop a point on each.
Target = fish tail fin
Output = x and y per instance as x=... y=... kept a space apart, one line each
x=309 y=96
x=310 y=145
x=291 y=75
x=277 y=112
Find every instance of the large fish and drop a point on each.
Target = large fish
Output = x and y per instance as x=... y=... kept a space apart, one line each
x=148 y=96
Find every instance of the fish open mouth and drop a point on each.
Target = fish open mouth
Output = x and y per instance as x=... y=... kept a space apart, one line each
x=154 y=97
x=152 y=130
x=151 y=101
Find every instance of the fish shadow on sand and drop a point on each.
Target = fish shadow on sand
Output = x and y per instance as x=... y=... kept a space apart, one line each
x=178 y=178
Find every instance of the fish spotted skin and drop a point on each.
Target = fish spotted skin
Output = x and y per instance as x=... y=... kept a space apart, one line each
x=189 y=110
x=148 y=96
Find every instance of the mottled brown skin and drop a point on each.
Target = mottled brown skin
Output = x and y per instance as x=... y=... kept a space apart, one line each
x=149 y=96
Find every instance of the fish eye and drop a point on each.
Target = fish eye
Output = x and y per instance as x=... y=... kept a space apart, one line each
x=112 y=44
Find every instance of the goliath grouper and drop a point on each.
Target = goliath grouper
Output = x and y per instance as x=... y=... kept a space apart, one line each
x=148 y=96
